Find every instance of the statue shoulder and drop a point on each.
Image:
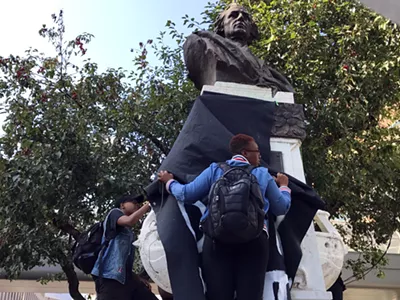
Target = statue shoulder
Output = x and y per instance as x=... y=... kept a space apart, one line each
x=203 y=41
x=198 y=42
x=203 y=35
x=192 y=38
x=193 y=44
x=200 y=57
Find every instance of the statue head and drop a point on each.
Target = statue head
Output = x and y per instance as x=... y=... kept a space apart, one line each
x=235 y=23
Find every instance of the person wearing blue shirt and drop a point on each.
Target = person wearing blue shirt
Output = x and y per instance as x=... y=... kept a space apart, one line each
x=239 y=269
x=113 y=275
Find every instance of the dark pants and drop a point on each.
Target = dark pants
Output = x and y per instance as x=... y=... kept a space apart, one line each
x=235 y=268
x=338 y=288
x=109 y=289
x=165 y=295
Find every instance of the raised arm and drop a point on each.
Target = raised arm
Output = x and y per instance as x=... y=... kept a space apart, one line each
x=135 y=217
x=279 y=197
x=193 y=191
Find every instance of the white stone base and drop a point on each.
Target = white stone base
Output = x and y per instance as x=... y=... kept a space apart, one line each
x=331 y=247
x=249 y=91
x=291 y=156
x=310 y=295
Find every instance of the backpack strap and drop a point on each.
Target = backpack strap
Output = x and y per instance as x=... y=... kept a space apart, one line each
x=250 y=168
x=224 y=166
x=105 y=224
x=104 y=243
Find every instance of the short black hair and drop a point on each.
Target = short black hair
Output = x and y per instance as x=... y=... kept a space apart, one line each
x=239 y=142
x=129 y=198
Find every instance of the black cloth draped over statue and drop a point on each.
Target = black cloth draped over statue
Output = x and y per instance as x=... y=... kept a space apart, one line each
x=204 y=139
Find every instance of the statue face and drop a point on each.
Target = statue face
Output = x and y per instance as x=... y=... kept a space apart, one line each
x=237 y=24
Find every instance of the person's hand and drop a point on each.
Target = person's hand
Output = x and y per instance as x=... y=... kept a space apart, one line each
x=281 y=179
x=137 y=279
x=164 y=176
x=147 y=205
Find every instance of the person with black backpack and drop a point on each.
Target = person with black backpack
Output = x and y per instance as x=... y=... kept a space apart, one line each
x=240 y=193
x=112 y=271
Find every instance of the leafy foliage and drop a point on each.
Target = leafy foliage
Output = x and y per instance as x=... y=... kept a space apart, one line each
x=74 y=140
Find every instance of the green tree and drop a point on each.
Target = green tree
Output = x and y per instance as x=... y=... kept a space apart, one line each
x=343 y=61
x=74 y=140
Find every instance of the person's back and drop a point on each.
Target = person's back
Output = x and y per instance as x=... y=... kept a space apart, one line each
x=112 y=273
x=235 y=206
x=230 y=269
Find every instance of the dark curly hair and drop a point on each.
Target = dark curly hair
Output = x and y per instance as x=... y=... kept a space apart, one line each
x=239 y=142
x=128 y=198
x=219 y=23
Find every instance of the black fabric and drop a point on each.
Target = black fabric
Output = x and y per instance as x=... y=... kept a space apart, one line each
x=276 y=290
x=278 y=263
x=212 y=122
x=109 y=289
x=180 y=248
x=230 y=268
x=337 y=289
x=289 y=296
x=304 y=205
x=165 y=295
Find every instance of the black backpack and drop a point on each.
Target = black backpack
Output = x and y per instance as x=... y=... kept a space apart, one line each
x=87 y=248
x=235 y=207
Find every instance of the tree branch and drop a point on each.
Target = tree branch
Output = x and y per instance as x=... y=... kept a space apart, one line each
x=157 y=143
x=73 y=281
x=67 y=228
x=362 y=274
x=152 y=138
x=70 y=97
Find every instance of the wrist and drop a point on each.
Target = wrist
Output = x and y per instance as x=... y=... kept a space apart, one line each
x=168 y=185
x=284 y=188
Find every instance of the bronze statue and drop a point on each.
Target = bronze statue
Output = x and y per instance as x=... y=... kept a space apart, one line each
x=224 y=55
